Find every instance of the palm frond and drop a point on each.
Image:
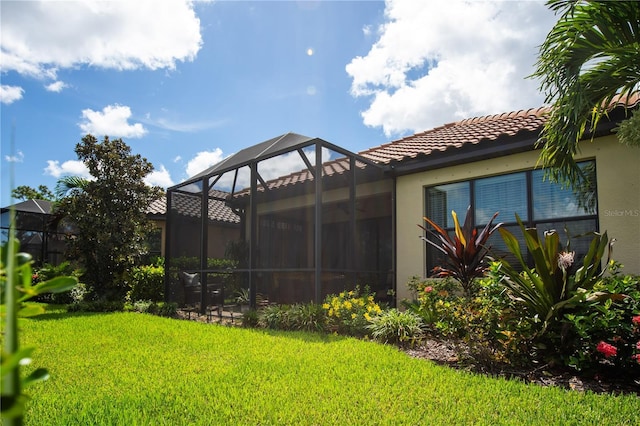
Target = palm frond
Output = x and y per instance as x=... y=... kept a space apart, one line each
x=590 y=57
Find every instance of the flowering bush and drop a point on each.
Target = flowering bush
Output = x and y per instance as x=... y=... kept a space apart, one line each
x=489 y=324
x=597 y=334
x=426 y=295
x=349 y=312
x=606 y=349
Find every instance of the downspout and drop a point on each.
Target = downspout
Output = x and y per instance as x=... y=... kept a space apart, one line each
x=394 y=245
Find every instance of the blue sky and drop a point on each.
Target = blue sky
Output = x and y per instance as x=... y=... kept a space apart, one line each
x=186 y=84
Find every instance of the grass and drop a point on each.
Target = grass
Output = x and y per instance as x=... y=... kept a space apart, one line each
x=138 y=369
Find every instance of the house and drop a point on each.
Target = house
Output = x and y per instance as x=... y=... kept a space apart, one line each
x=490 y=163
x=315 y=218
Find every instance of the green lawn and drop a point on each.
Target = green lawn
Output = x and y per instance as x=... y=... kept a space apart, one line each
x=138 y=369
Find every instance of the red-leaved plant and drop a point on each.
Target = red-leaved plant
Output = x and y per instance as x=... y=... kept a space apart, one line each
x=465 y=252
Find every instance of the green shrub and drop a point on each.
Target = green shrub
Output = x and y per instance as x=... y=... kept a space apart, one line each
x=163 y=309
x=350 y=312
x=96 y=306
x=307 y=317
x=146 y=283
x=65 y=269
x=275 y=317
x=167 y=309
x=395 y=327
x=250 y=318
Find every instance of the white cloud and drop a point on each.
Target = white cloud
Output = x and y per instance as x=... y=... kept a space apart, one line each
x=159 y=178
x=10 y=94
x=185 y=126
x=203 y=160
x=68 y=168
x=18 y=158
x=177 y=159
x=439 y=61
x=40 y=37
x=56 y=86
x=112 y=121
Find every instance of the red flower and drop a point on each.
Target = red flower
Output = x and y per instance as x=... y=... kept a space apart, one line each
x=636 y=320
x=636 y=357
x=606 y=349
x=638 y=345
x=428 y=289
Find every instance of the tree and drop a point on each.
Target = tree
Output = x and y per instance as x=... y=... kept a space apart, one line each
x=590 y=57
x=109 y=213
x=24 y=192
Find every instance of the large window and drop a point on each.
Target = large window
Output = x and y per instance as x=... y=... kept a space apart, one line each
x=538 y=202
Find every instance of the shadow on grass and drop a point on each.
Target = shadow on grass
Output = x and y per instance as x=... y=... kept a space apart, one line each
x=55 y=312
x=305 y=336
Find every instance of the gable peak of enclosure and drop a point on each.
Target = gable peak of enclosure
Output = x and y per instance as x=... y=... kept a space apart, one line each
x=311 y=219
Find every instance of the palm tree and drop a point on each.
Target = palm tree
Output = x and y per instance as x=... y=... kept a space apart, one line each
x=68 y=185
x=590 y=58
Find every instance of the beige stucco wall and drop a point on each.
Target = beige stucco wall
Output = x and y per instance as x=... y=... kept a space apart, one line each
x=618 y=184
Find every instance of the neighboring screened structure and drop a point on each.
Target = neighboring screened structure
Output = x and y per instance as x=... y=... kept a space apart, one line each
x=37 y=230
x=311 y=219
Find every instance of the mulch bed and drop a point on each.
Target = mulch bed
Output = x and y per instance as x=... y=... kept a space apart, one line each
x=446 y=353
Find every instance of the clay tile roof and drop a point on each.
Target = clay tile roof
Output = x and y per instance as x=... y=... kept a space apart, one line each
x=473 y=131
x=190 y=206
x=158 y=207
x=330 y=168
x=457 y=134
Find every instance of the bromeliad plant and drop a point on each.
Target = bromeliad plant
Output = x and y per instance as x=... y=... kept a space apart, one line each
x=550 y=286
x=465 y=252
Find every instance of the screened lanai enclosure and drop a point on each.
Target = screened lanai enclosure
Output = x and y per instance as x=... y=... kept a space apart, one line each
x=308 y=219
x=40 y=232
